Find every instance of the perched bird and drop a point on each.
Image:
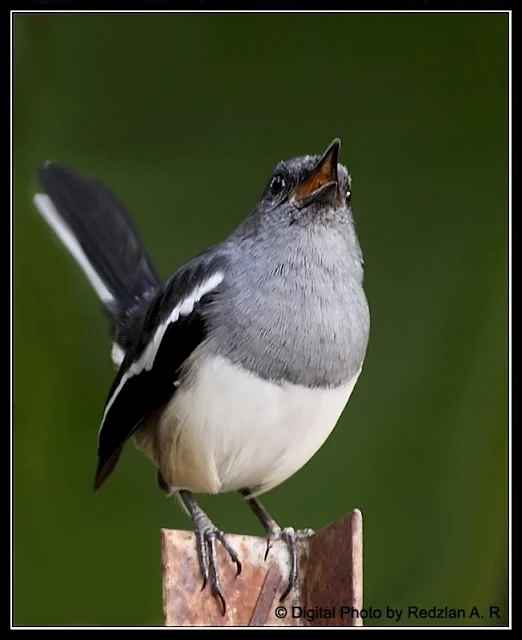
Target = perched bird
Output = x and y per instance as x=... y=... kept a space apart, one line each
x=233 y=372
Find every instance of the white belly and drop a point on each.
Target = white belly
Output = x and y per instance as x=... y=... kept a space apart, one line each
x=228 y=430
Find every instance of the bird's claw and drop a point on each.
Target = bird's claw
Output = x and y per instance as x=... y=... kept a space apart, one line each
x=206 y=535
x=292 y=538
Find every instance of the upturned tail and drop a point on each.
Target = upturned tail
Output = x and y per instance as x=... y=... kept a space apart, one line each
x=99 y=234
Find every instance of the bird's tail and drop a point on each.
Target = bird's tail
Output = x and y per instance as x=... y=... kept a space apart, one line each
x=95 y=228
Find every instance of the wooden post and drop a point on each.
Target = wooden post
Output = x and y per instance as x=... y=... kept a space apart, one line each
x=329 y=591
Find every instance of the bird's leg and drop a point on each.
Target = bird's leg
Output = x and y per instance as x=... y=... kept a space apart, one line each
x=274 y=532
x=206 y=535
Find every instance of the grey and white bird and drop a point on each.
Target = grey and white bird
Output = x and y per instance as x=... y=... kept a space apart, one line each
x=234 y=371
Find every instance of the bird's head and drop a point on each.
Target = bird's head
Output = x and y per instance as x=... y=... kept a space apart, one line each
x=308 y=189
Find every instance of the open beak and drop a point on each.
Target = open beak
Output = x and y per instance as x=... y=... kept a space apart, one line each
x=321 y=184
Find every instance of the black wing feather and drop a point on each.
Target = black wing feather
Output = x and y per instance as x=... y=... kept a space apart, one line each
x=145 y=392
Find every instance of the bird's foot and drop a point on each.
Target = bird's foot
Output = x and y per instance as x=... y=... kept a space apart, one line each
x=292 y=539
x=206 y=535
x=290 y=536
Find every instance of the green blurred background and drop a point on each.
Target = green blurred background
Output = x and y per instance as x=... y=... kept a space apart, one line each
x=184 y=116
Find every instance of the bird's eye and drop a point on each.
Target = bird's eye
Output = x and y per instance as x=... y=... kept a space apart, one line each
x=348 y=198
x=277 y=184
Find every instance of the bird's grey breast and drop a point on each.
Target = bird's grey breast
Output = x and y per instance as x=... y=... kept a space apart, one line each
x=294 y=308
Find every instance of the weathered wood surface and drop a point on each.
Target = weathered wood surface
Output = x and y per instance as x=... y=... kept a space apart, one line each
x=329 y=589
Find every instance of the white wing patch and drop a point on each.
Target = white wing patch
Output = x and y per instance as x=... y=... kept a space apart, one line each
x=46 y=207
x=146 y=361
x=117 y=354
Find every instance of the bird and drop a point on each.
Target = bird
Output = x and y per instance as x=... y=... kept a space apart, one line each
x=231 y=373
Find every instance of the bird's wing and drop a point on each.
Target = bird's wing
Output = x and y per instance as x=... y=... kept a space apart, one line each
x=172 y=327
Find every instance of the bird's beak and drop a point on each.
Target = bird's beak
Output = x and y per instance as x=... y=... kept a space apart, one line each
x=321 y=185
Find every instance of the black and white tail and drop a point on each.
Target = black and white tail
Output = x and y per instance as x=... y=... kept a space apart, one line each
x=97 y=231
